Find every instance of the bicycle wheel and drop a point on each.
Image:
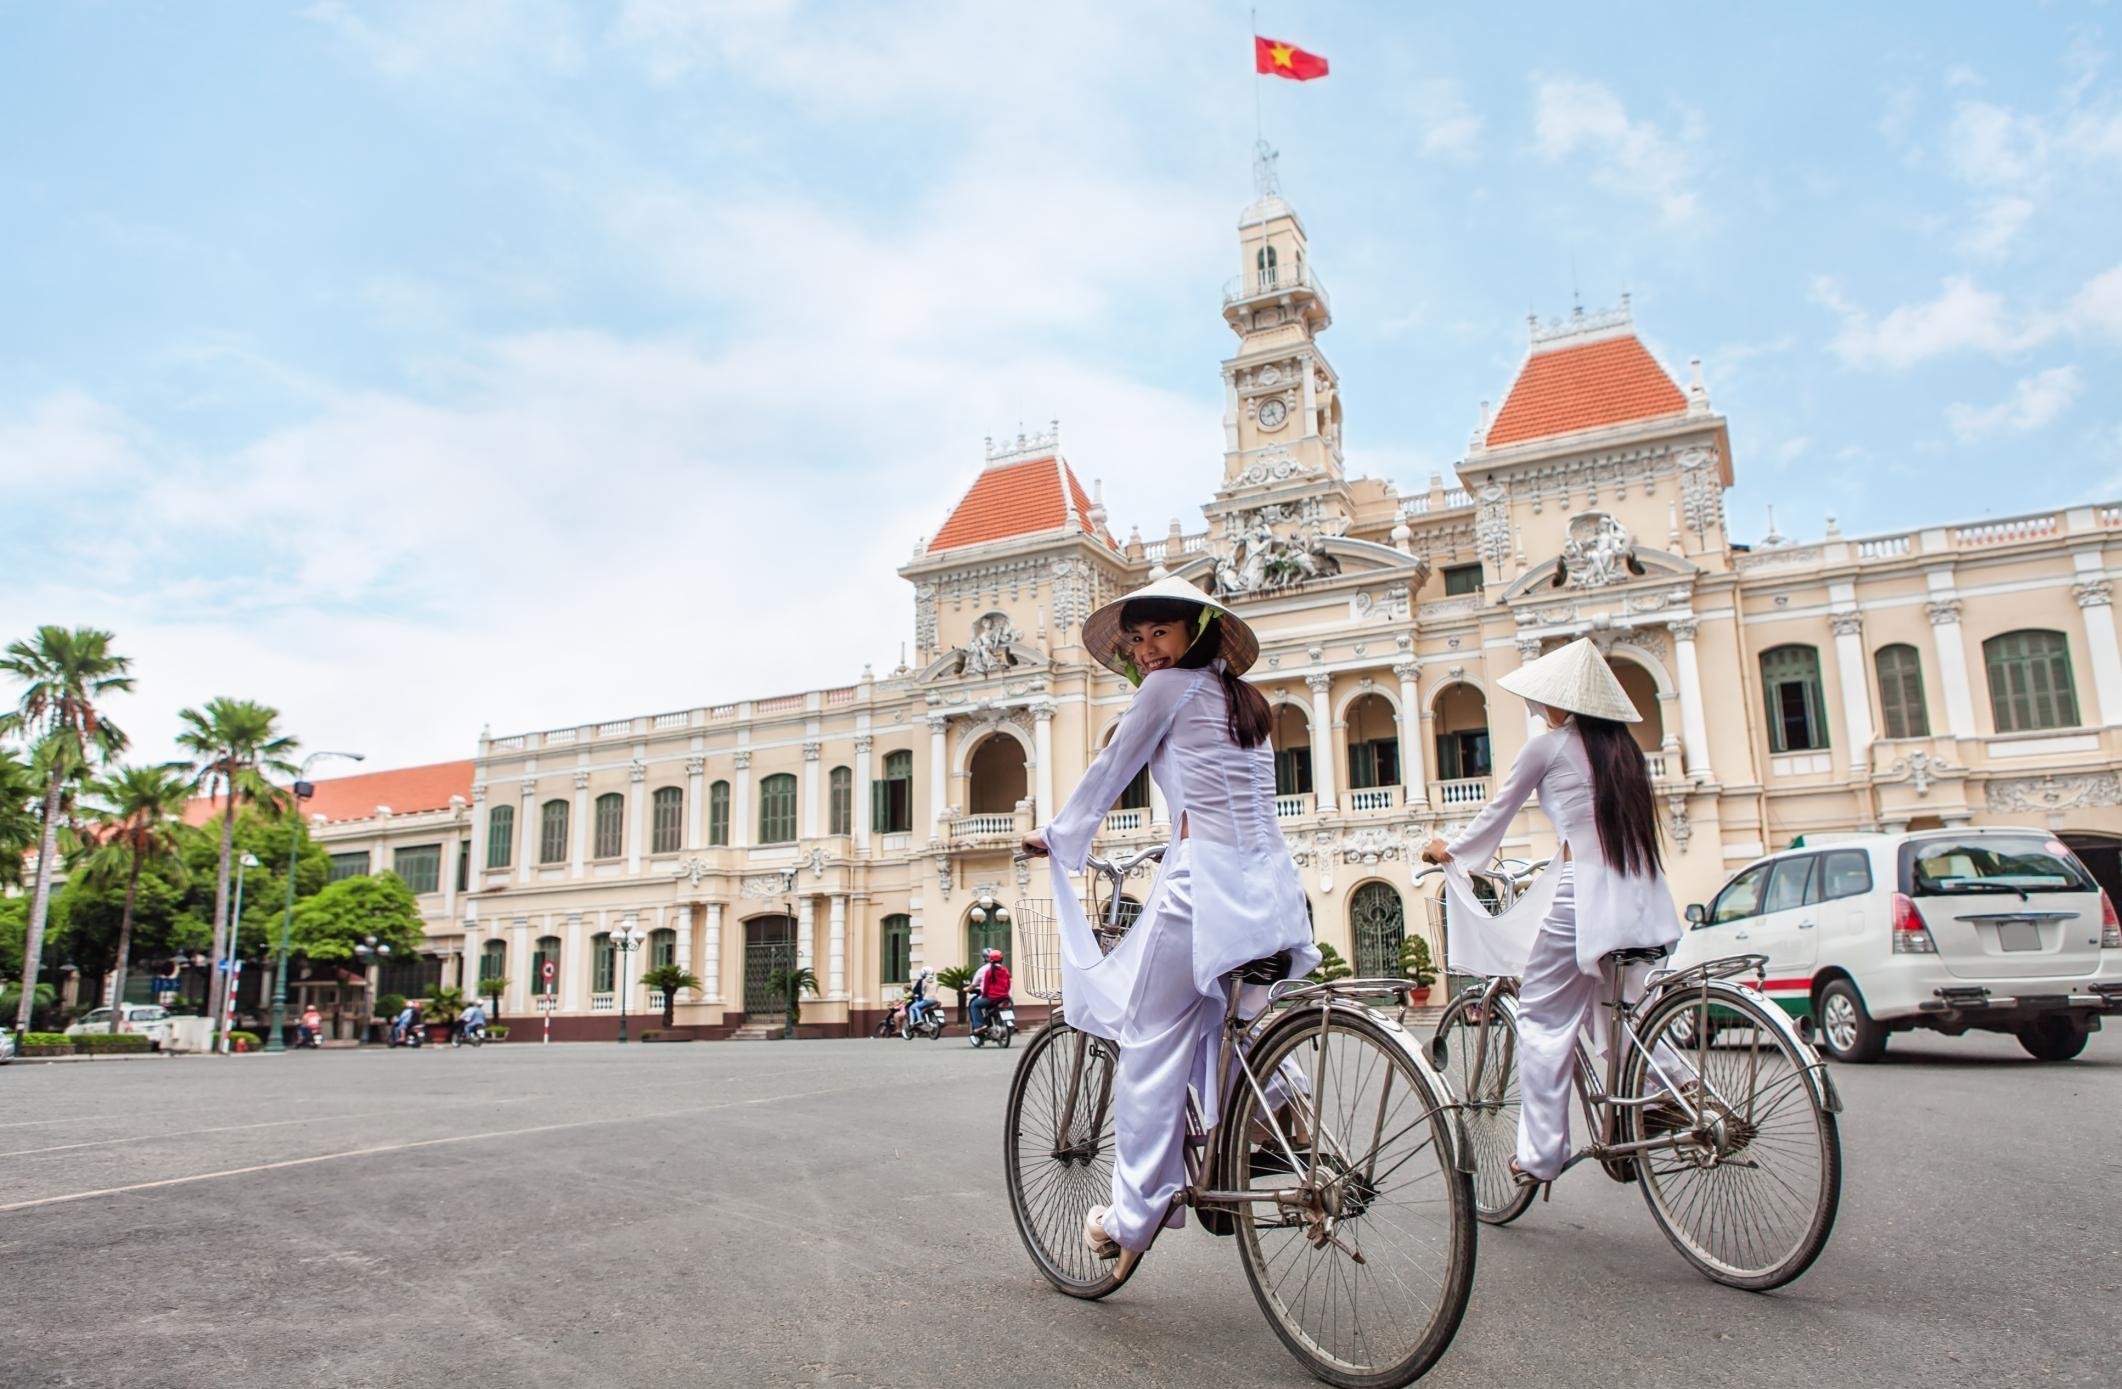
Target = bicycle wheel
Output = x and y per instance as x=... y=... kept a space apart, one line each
x=1057 y=1157
x=1749 y=1196
x=1366 y=1278
x=1488 y=1095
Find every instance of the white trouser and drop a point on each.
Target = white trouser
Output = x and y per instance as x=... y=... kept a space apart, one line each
x=1557 y=1001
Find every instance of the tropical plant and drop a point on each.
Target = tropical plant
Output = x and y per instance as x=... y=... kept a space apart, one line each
x=958 y=978
x=1415 y=962
x=234 y=743
x=42 y=1001
x=137 y=813
x=667 y=980
x=66 y=676
x=444 y=1007
x=491 y=988
x=792 y=982
x=389 y=1006
x=18 y=816
x=1331 y=966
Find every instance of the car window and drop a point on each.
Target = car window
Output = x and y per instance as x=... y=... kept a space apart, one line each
x=1991 y=863
x=1741 y=897
x=98 y=1015
x=1786 y=886
x=150 y=1014
x=1844 y=873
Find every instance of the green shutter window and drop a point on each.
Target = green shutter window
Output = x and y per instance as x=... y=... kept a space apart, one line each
x=546 y=953
x=1293 y=772
x=2030 y=685
x=898 y=941
x=662 y=948
x=602 y=958
x=1790 y=683
x=552 y=832
x=982 y=936
x=493 y=960
x=841 y=815
x=892 y=799
x=420 y=865
x=667 y=820
x=610 y=838
x=464 y=865
x=500 y=835
x=1901 y=692
x=777 y=809
x=348 y=866
x=1461 y=578
x=718 y=813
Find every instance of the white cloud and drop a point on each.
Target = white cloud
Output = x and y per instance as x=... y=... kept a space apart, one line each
x=2034 y=402
x=2098 y=306
x=1450 y=128
x=2019 y=161
x=65 y=440
x=1962 y=318
x=1996 y=226
x=408 y=38
x=1574 y=117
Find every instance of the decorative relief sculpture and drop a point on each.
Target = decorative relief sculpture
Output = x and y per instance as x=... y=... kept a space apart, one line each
x=1918 y=768
x=1598 y=552
x=1261 y=560
x=924 y=617
x=691 y=869
x=2092 y=593
x=2050 y=794
x=1492 y=524
x=993 y=635
x=1701 y=492
x=764 y=887
x=1943 y=612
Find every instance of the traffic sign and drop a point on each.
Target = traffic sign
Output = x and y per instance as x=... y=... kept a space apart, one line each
x=548 y=971
x=161 y=984
x=224 y=966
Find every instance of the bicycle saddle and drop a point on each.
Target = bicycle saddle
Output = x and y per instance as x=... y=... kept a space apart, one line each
x=1273 y=969
x=1637 y=955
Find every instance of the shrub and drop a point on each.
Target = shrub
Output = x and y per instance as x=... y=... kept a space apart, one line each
x=389 y=1006
x=1331 y=966
x=1416 y=963
x=496 y=1034
x=107 y=1041
x=47 y=1039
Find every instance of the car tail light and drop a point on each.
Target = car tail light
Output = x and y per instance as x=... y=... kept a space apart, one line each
x=2110 y=928
x=1911 y=936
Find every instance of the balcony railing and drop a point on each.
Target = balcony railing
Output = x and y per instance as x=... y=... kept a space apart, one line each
x=1126 y=821
x=1293 y=807
x=1374 y=798
x=1657 y=765
x=1274 y=282
x=602 y=1003
x=655 y=1000
x=970 y=827
x=1464 y=791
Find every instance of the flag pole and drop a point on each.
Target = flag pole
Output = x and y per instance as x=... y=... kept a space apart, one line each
x=1259 y=131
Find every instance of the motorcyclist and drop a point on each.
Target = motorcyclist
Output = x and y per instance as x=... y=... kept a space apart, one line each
x=990 y=988
x=311 y=1028
x=402 y=1025
x=921 y=1004
x=473 y=1023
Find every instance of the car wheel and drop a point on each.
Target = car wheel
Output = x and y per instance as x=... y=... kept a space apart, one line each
x=2052 y=1039
x=1844 y=1030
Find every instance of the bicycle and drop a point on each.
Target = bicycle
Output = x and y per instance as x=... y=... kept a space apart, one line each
x=1732 y=1135
x=1354 y=1218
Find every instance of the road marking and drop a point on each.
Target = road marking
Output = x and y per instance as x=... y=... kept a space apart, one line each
x=404 y=1147
x=187 y=1133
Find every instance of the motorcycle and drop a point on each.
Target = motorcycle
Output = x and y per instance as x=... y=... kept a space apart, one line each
x=474 y=1037
x=894 y=1022
x=308 y=1037
x=930 y=1024
x=1001 y=1024
x=414 y=1036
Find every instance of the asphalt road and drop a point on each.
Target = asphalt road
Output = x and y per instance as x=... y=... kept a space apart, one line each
x=832 y=1213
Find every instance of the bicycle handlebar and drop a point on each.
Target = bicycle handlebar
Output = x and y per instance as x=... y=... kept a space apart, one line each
x=1107 y=867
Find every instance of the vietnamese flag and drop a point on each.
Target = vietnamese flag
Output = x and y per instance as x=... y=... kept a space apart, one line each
x=1272 y=56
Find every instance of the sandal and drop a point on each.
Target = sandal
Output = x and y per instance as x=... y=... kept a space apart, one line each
x=1104 y=1246
x=1523 y=1178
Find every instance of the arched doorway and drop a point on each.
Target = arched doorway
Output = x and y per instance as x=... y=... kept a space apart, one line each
x=769 y=947
x=1462 y=743
x=1377 y=921
x=1291 y=736
x=1373 y=752
x=996 y=776
x=1642 y=691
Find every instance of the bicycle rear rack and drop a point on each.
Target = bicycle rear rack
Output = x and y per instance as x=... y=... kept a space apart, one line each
x=1725 y=968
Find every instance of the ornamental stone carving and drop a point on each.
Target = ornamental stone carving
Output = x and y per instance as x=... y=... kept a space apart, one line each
x=744 y=760
x=2051 y=794
x=1261 y=560
x=637 y=771
x=1683 y=628
x=1942 y=612
x=989 y=651
x=695 y=766
x=925 y=617
x=1677 y=822
x=863 y=745
x=1701 y=493
x=1406 y=671
x=1492 y=525
x=938 y=723
x=1528 y=648
x=1846 y=624
x=1319 y=682
x=691 y=869
x=1370 y=845
x=530 y=788
x=1918 y=769
x=2092 y=593
x=1071 y=581
x=1598 y=551
x=478 y=793
x=812 y=750
x=582 y=781
x=764 y=887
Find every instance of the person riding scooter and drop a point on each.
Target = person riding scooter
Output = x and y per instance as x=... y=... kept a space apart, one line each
x=311 y=1029
x=920 y=1005
x=473 y=1023
x=990 y=989
x=402 y=1026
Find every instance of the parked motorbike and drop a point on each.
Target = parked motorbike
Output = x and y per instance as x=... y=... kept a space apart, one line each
x=931 y=1025
x=1001 y=1024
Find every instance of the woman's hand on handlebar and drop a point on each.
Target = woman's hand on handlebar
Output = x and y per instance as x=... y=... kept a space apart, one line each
x=1034 y=845
x=1435 y=852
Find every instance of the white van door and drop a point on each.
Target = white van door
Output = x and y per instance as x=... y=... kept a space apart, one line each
x=2004 y=904
x=1788 y=933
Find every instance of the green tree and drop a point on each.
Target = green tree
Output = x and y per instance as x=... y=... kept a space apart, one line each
x=1331 y=966
x=329 y=925
x=264 y=835
x=235 y=744
x=66 y=676
x=18 y=816
x=492 y=987
x=137 y=812
x=444 y=1007
x=958 y=978
x=792 y=982
x=667 y=980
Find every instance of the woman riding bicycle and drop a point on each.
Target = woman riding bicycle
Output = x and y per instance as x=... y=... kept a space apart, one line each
x=1159 y=995
x=1607 y=875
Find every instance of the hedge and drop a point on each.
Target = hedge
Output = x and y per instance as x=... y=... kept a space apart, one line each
x=112 y=1041
x=497 y=1034
x=246 y=1041
x=47 y=1039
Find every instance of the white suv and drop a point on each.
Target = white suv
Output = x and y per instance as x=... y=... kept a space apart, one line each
x=149 y=1019
x=1998 y=930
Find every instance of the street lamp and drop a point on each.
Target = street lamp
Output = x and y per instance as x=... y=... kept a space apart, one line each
x=626 y=940
x=302 y=791
x=986 y=909
x=377 y=953
x=786 y=963
x=235 y=927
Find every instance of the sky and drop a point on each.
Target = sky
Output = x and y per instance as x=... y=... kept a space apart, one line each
x=418 y=367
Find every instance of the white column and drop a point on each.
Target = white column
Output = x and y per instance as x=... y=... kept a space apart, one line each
x=578 y=829
x=520 y=983
x=479 y=829
x=1694 y=726
x=1848 y=628
x=811 y=798
x=527 y=850
x=468 y=963
x=836 y=948
x=684 y=926
x=806 y=921
x=740 y=806
x=695 y=800
x=863 y=794
x=713 y=973
x=636 y=816
x=452 y=850
x=1043 y=750
x=2096 y=605
x=938 y=774
x=1411 y=778
x=1952 y=665
x=1322 y=741
x=574 y=967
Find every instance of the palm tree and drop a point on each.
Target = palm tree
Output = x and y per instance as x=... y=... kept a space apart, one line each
x=138 y=811
x=667 y=980
x=791 y=982
x=234 y=745
x=18 y=816
x=66 y=675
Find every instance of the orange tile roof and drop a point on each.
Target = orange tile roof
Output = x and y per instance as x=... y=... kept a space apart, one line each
x=1012 y=499
x=1585 y=386
x=356 y=797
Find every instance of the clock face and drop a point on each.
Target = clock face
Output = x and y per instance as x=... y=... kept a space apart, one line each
x=1272 y=414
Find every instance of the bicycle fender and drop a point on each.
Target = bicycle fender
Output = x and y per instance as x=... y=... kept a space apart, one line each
x=1416 y=1053
x=1817 y=1078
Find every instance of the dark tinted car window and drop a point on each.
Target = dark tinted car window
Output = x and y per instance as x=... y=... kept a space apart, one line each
x=1990 y=863
x=1844 y=873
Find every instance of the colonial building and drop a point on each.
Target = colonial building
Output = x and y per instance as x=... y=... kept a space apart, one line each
x=1946 y=675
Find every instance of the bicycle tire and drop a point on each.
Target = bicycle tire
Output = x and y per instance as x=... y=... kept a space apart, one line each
x=1049 y=1195
x=1760 y=1211
x=1406 y=1206
x=1490 y=1118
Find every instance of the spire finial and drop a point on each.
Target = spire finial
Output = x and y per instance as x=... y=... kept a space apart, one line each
x=1266 y=184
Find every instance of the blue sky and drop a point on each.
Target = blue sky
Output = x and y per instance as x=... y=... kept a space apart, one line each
x=419 y=366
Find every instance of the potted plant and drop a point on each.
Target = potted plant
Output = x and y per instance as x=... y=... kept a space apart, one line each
x=1416 y=964
x=444 y=1007
x=1331 y=966
x=388 y=1007
x=958 y=978
x=792 y=983
x=667 y=980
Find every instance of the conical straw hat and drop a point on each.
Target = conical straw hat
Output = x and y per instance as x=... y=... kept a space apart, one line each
x=1101 y=630
x=1576 y=680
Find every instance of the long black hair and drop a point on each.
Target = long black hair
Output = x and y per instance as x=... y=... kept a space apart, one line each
x=1622 y=808
x=1250 y=718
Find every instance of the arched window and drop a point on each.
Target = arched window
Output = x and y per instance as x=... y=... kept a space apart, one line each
x=602 y=959
x=500 y=836
x=662 y=947
x=718 y=813
x=2029 y=681
x=982 y=936
x=840 y=818
x=1264 y=262
x=996 y=777
x=1291 y=735
x=1901 y=692
x=493 y=961
x=610 y=840
x=898 y=948
x=552 y=832
x=1797 y=715
x=892 y=799
x=1373 y=744
x=1378 y=923
x=777 y=809
x=667 y=820
x=546 y=952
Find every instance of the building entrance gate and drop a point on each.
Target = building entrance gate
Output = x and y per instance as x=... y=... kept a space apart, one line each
x=769 y=946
